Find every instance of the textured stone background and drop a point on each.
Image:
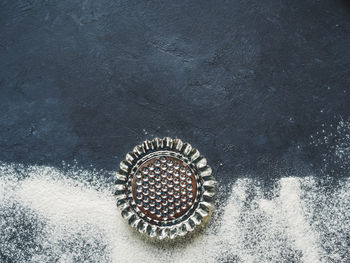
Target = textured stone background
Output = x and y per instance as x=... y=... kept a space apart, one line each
x=246 y=82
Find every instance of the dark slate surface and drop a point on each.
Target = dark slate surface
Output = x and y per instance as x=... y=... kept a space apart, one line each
x=246 y=82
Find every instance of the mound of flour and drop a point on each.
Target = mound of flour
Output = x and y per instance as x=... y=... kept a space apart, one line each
x=48 y=215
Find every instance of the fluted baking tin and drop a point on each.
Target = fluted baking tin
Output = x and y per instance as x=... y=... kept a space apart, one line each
x=164 y=188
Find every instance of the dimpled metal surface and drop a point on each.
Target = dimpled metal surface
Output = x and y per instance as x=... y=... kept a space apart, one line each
x=164 y=188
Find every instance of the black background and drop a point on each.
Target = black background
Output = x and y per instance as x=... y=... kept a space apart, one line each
x=245 y=82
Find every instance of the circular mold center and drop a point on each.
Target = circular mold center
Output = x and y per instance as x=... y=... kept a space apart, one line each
x=164 y=188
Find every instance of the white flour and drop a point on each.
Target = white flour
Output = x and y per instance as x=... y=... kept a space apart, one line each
x=52 y=215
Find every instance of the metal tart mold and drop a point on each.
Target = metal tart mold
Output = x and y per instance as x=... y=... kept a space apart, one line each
x=164 y=188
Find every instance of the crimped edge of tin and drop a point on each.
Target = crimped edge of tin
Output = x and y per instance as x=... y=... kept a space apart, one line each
x=205 y=201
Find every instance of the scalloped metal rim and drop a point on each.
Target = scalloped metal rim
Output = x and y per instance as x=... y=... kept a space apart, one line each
x=202 y=205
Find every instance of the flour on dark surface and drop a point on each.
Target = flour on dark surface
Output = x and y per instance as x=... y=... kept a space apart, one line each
x=261 y=88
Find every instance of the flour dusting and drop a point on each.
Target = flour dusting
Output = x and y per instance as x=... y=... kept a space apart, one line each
x=50 y=215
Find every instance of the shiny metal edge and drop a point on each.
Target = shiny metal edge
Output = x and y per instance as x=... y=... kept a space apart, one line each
x=204 y=199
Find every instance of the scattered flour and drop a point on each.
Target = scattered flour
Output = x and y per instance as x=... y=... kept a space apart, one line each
x=49 y=215
x=333 y=142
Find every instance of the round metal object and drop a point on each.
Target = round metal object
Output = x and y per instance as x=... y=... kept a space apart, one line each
x=164 y=188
